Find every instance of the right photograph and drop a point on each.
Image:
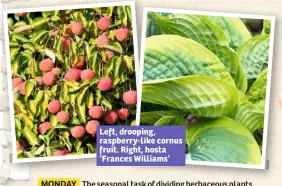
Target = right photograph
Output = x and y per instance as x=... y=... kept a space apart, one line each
x=210 y=72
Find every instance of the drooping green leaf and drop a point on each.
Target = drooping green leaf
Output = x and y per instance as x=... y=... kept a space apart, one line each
x=53 y=120
x=39 y=23
x=89 y=99
x=29 y=87
x=201 y=95
x=26 y=119
x=222 y=140
x=235 y=30
x=129 y=63
x=81 y=109
x=202 y=30
x=30 y=136
x=254 y=55
x=168 y=56
x=116 y=47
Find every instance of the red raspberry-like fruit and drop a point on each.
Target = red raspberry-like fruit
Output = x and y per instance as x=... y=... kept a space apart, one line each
x=63 y=116
x=39 y=80
x=21 y=88
x=66 y=44
x=61 y=152
x=72 y=74
x=54 y=106
x=95 y=112
x=103 y=23
x=109 y=55
x=122 y=34
x=22 y=14
x=123 y=114
x=43 y=127
x=56 y=71
x=102 y=40
x=91 y=127
x=105 y=84
x=111 y=117
x=49 y=79
x=77 y=28
x=21 y=145
x=130 y=97
x=77 y=131
x=87 y=74
x=80 y=62
x=46 y=65
x=16 y=82
x=68 y=30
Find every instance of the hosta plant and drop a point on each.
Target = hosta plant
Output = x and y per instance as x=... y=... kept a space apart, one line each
x=209 y=74
x=72 y=70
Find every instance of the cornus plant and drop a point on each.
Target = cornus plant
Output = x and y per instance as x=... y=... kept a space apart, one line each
x=71 y=72
x=209 y=74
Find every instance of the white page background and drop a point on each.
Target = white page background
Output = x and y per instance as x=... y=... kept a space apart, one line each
x=87 y=170
x=7 y=170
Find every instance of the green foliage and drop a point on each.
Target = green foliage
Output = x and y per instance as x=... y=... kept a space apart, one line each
x=212 y=68
x=41 y=35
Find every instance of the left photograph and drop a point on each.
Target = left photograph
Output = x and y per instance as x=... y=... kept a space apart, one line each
x=71 y=69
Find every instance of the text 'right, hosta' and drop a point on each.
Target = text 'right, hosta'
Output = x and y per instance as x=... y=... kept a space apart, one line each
x=209 y=73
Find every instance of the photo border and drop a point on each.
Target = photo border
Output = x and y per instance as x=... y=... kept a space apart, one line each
x=9 y=74
x=267 y=99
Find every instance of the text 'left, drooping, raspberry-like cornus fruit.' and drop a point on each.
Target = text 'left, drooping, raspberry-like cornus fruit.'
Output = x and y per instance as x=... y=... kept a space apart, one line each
x=72 y=71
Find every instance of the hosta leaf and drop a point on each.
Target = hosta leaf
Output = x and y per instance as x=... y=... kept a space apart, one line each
x=266 y=27
x=235 y=30
x=254 y=55
x=248 y=115
x=30 y=136
x=168 y=56
x=201 y=95
x=222 y=140
x=257 y=91
x=166 y=120
x=151 y=25
x=153 y=116
x=202 y=30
